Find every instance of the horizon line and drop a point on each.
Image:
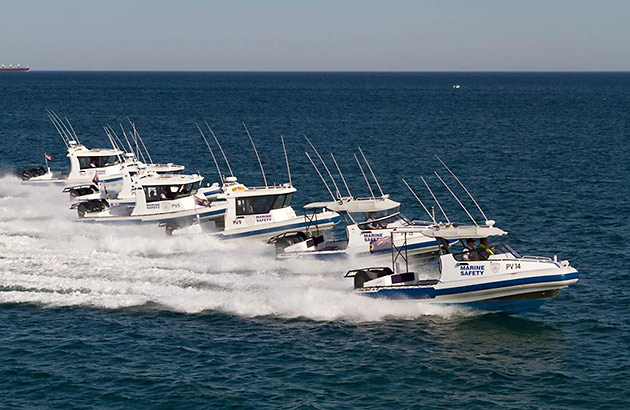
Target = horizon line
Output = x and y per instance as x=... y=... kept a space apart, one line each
x=324 y=71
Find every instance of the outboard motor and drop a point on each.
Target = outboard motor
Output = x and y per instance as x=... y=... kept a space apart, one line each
x=33 y=172
x=172 y=226
x=82 y=190
x=284 y=240
x=93 y=205
x=364 y=275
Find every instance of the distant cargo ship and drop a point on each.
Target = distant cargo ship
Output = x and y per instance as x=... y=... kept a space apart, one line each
x=17 y=68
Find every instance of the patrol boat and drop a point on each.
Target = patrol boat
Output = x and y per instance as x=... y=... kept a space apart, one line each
x=86 y=165
x=258 y=213
x=370 y=223
x=159 y=198
x=498 y=280
x=255 y=212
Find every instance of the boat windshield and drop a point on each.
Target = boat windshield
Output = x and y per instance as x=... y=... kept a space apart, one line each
x=98 y=161
x=361 y=217
x=262 y=204
x=382 y=222
x=501 y=251
x=169 y=192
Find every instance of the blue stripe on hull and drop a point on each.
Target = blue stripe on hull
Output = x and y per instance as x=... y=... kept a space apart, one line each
x=430 y=292
x=111 y=180
x=279 y=228
x=153 y=221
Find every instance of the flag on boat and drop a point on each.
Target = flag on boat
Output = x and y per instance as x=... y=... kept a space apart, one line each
x=95 y=179
x=48 y=157
x=201 y=202
x=380 y=244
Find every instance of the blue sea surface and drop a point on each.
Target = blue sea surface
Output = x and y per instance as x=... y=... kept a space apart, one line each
x=115 y=317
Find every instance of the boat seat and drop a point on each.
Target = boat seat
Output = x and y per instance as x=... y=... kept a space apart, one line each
x=315 y=241
x=364 y=275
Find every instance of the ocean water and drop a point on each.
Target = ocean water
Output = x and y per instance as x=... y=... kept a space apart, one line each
x=120 y=317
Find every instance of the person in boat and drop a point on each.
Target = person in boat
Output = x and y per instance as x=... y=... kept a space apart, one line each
x=373 y=224
x=470 y=253
x=483 y=249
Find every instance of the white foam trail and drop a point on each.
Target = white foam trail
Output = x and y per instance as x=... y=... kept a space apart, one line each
x=49 y=259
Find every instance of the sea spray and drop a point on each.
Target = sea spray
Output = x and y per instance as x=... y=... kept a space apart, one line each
x=52 y=259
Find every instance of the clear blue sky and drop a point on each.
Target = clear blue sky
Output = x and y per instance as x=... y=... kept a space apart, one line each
x=316 y=35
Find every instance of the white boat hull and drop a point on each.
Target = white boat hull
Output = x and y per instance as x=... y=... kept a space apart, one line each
x=164 y=217
x=266 y=231
x=506 y=292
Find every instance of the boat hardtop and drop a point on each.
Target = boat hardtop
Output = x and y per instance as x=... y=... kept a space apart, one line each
x=369 y=223
x=170 y=199
x=98 y=165
x=262 y=212
x=357 y=205
x=449 y=231
x=169 y=179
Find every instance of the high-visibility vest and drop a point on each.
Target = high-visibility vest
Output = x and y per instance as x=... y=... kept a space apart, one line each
x=485 y=248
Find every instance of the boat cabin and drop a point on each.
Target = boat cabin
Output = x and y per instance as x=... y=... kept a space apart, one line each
x=252 y=206
x=85 y=163
x=166 y=193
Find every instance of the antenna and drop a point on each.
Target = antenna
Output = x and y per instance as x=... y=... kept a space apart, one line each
x=465 y=189
x=419 y=201
x=325 y=167
x=66 y=137
x=320 y=176
x=111 y=139
x=74 y=133
x=211 y=153
x=220 y=149
x=119 y=143
x=436 y=201
x=126 y=139
x=456 y=198
x=364 y=176
x=262 y=170
x=341 y=174
x=133 y=126
x=112 y=136
x=63 y=125
x=59 y=131
x=372 y=172
x=135 y=139
x=286 y=159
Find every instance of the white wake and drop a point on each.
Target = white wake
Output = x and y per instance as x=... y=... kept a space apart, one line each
x=50 y=259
